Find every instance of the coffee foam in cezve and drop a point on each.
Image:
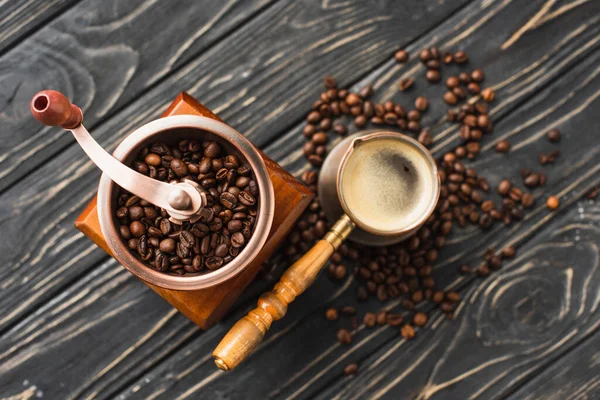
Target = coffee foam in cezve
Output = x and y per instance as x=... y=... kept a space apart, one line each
x=386 y=184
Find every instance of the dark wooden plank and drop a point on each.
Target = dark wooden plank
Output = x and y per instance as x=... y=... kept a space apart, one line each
x=575 y=376
x=302 y=348
x=101 y=55
x=19 y=18
x=296 y=349
x=510 y=326
x=277 y=67
x=99 y=305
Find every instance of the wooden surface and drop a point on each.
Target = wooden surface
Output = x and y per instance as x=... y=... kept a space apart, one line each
x=74 y=324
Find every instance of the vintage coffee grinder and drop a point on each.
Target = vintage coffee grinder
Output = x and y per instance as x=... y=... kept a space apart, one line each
x=203 y=297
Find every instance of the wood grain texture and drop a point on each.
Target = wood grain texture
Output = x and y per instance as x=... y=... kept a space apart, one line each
x=574 y=376
x=300 y=358
x=19 y=18
x=509 y=326
x=101 y=55
x=276 y=68
x=311 y=362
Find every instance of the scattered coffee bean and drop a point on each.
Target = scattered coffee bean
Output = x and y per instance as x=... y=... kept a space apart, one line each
x=488 y=95
x=344 y=336
x=553 y=202
x=401 y=56
x=420 y=319
x=407 y=331
x=331 y=314
x=502 y=146
x=553 y=135
x=351 y=369
x=405 y=84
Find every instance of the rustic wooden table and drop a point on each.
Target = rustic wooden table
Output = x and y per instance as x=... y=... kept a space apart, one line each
x=75 y=324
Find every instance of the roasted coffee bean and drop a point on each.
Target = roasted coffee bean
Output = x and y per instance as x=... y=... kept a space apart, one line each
x=473 y=88
x=394 y=319
x=331 y=314
x=238 y=239
x=401 y=56
x=477 y=75
x=370 y=319
x=179 y=167
x=488 y=95
x=421 y=103
x=552 y=202
x=137 y=229
x=502 y=146
x=553 y=135
x=460 y=57
x=407 y=332
x=142 y=246
x=246 y=198
x=161 y=263
x=228 y=200
x=405 y=84
x=187 y=239
x=504 y=187
x=450 y=98
x=420 y=319
x=125 y=232
x=344 y=336
x=433 y=75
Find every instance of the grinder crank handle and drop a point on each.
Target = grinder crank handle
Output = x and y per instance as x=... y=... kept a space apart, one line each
x=248 y=332
x=181 y=200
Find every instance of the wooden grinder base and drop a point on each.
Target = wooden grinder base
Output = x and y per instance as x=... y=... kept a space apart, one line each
x=206 y=306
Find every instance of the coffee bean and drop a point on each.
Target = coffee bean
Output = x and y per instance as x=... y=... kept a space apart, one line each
x=553 y=135
x=433 y=75
x=228 y=200
x=425 y=55
x=420 y=319
x=329 y=82
x=179 y=167
x=405 y=84
x=401 y=56
x=187 y=239
x=425 y=138
x=344 y=336
x=488 y=95
x=331 y=314
x=238 y=239
x=407 y=332
x=360 y=121
x=452 y=82
x=351 y=369
x=502 y=146
x=508 y=252
x=137 y=229
x=460 y=57
x=504 y=187
x=552 y=202
x=450 y=98
x=370 y=319
x=473 y=88
x=152 y=159
x=421 y=103
x=213 y=263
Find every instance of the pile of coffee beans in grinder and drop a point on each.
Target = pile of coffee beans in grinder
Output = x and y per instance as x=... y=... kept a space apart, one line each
x=224 y=227
x=404 y=270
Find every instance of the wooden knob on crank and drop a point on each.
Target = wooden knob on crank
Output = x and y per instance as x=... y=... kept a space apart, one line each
x=54 y=109
x=247 y=333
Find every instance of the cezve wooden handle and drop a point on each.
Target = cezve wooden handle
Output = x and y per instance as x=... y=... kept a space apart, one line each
x=247 y=333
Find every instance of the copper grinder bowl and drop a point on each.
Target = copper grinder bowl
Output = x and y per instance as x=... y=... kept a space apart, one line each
x=329 y=195
x=170 y=130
